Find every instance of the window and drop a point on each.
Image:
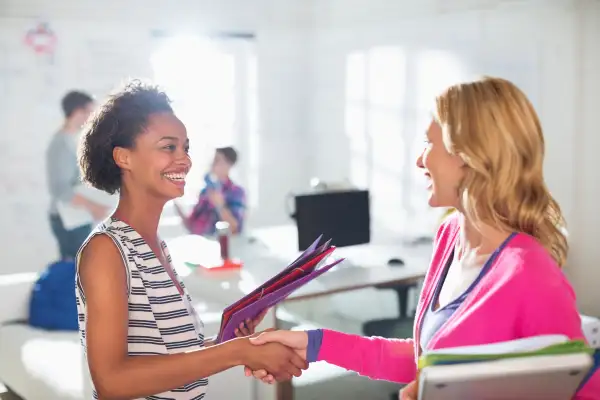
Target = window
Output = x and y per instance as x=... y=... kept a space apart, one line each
x=389 y=99
x=375 y=96
x=212 y=84
x=435 y=70
x=253 y=135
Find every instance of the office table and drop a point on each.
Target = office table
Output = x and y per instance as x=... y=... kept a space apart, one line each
x=266 y=251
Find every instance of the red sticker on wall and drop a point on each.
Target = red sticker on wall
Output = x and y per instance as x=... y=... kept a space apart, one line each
x=41 y=39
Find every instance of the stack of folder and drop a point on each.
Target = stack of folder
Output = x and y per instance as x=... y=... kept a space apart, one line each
x=313 y=262
x=542 y=367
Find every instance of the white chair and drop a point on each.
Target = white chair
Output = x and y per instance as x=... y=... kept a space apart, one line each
x=42 y=365
x=591 y=330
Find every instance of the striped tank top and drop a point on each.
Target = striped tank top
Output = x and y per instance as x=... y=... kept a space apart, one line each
x=160 y=321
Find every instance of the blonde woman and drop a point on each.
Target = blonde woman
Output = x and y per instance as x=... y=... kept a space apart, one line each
x=495 y=273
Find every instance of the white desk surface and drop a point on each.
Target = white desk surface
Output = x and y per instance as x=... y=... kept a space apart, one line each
x=266 y=251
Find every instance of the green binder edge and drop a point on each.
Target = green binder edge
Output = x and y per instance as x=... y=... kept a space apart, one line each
x=570 y=347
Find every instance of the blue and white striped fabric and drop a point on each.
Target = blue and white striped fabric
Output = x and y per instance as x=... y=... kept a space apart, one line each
x=160 y=321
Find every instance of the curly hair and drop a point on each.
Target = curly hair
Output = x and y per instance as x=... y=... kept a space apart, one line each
x=117 y=123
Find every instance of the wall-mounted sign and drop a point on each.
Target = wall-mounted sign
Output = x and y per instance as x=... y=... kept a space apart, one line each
x=41 y=39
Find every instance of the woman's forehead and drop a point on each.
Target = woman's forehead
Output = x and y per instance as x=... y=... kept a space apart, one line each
x=166 y=125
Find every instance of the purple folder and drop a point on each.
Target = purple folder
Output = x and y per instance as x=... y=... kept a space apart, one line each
x=253 y=310
x=306 y=254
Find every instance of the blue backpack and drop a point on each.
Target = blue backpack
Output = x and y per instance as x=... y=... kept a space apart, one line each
x=52 y=305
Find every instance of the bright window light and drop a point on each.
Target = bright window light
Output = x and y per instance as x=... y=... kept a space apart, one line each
x=387 y=76
x=356 y=76
x=200 y=80
x=253 y=134
x=436 y=70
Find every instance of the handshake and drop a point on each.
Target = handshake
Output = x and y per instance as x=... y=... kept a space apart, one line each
x=275 y=355
x=280 y=355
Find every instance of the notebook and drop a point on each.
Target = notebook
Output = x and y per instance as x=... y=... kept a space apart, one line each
x=311 y=263
x=548 y=367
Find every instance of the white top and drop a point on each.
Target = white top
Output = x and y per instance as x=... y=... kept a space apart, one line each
x=461 y=275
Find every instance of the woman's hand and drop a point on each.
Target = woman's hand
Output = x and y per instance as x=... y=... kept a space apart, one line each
x=248 y=327
x=216 y=197
x=409 y=392
x=296 y=340
x=281 y=361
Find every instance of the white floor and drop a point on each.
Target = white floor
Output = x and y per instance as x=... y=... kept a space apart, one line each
x=350 y=387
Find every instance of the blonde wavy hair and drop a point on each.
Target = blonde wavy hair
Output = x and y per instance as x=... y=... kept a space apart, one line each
x=493 y=127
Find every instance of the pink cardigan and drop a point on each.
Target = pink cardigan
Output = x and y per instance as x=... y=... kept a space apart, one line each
x=523 y=294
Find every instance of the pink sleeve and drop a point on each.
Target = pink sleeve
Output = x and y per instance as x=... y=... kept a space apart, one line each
x=375 y=357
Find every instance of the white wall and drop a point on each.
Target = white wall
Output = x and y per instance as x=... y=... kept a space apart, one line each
x=98 y=44
x=586 y=220
x=550 y=49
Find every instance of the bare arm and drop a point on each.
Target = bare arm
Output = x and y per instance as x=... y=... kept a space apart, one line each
x=227 y=215
x=104 y=283
x=97 y=210
x=234 y=210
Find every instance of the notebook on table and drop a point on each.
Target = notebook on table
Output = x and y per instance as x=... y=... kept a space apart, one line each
x=547 y=367
x=311 y=263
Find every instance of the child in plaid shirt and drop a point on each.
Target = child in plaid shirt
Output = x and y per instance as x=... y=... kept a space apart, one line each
x=220 y=200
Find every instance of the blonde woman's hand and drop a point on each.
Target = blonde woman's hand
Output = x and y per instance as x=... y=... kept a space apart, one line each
x=409 y=392
x=296 y=340
x=282 y=362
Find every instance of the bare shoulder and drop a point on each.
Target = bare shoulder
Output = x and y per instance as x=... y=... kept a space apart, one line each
x=101 y=259
x=104 y=282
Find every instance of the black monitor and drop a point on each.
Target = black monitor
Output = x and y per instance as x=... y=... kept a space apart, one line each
x=343 y=216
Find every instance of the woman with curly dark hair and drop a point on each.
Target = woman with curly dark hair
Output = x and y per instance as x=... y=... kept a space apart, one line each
x=140 y=333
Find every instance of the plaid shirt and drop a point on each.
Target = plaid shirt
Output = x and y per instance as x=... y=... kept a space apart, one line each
x=203 y=218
